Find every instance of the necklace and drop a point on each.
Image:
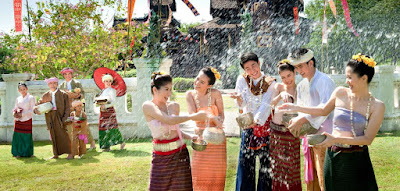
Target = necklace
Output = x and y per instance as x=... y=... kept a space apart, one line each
x=169 y=129
x=366 y=115
x=208 y=106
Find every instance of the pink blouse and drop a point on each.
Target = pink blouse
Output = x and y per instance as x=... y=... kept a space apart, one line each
x=26 y=104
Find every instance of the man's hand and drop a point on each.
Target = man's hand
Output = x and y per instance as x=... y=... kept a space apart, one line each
x=251 y=125
x=36 y=111
x=295 y=125
x=237 y=96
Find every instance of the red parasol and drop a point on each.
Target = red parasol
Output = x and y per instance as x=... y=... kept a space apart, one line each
x=118 y=83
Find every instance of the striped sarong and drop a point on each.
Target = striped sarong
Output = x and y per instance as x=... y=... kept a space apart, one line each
x=22 y=143
x=171 y=172
x=23 y=126
x=285 y=160
x=349 y=169
x=209 y=168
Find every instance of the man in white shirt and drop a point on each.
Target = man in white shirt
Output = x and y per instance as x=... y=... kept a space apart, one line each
x=254 y=92
x=314 y=90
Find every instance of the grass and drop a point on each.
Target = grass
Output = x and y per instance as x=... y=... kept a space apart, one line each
x=229 y=104
x=129 y=169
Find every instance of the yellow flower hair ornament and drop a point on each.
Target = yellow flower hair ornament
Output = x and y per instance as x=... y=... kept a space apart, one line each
x=216 y=73
x=155 y=74
x=284 y=61
x=369 y=61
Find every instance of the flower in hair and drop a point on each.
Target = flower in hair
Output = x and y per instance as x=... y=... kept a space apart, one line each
x=284 y=61
x=369 y=61
x=155 y=74
x=216 y=73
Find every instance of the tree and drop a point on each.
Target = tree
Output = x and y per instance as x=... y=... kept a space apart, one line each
x=375 y=20
x=73 y=35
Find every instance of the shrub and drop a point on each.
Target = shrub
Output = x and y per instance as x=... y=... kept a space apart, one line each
x=182 y=84
x=128 y=74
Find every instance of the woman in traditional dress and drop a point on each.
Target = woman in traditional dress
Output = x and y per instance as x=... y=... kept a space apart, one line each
x=208 y=166
x=109 y=133
x=284 y=147
x=357 y=119
x=22 y=144
x=170 y=168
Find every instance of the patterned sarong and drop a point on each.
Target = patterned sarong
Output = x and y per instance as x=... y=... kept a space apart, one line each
x=109 y=133
x=171 y=172
x=22 y=143
x=349 y=169
x=285 y=159
x=23 y=126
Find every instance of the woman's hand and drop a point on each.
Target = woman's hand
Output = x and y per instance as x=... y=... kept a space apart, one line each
x=286 y=97
x=199 y=116
x=103 y=108
x=17 y=115
x=217 y=121
x=288 y=107
x=329 y=141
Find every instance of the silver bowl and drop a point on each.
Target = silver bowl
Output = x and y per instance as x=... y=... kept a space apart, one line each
x=315 y=139
x=244 y=120
x=214 y=135
x=286 y=117
x=198 y=145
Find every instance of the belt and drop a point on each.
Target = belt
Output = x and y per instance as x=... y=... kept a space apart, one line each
x=168 y=146
x=342 y=145
x=352 y=148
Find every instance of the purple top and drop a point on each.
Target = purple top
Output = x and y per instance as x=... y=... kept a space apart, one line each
x=341 y=121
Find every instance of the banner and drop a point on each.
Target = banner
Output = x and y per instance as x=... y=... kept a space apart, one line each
x=296 y=19
x=191 y=7
x=347 y=16
x=324 y=27
x=18 y=15
x=131 y=5
x=333 y=7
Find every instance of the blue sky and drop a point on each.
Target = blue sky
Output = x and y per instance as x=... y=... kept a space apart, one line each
x=182 y=14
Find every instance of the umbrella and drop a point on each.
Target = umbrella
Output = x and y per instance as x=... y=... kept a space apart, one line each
x=118 y=83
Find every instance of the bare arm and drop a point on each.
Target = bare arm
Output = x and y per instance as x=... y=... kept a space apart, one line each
x=317 y=111
x=374 y=123
x=151 y=111
x=191 y=104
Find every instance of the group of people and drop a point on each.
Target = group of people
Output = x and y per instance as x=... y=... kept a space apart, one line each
x=349 y=118
x=66 y=121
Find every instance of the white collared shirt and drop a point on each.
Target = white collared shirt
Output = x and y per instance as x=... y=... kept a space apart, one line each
x=69 y=87
x=259 y=105
x=315 y=93
x=53 y=98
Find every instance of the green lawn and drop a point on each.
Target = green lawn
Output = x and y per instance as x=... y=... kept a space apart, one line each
x=129 y=169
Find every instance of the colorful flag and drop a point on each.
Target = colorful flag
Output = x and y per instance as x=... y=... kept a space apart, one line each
x=296 y=19
x=191 y=7
x=18 y=15
x=347 y=16
x=131 y=5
